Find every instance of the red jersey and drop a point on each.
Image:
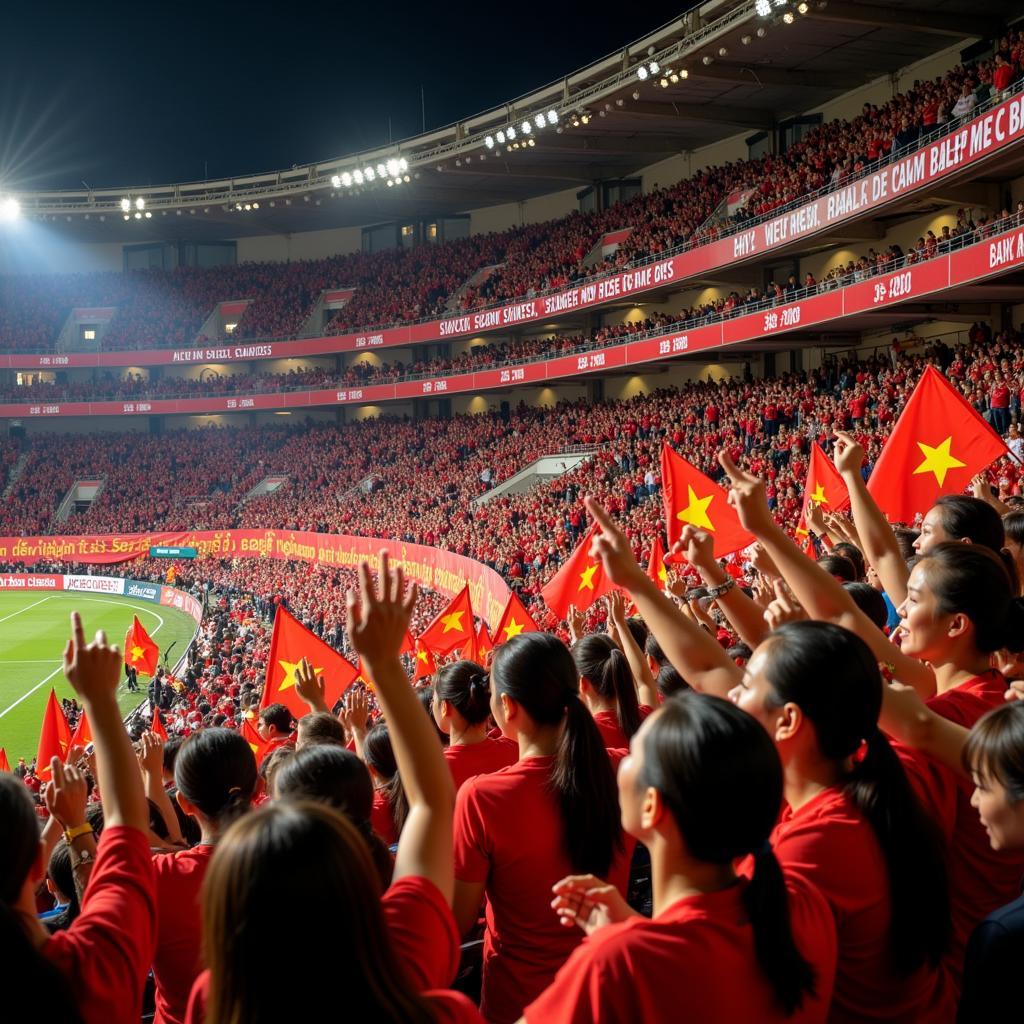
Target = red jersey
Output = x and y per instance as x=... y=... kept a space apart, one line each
x=509 y=834
x=981 y=879
x=694 y=962
x=607 y=723
x=176 y=963
x=468 y=759
x=106 y=953
x=381 y=819
x=831 y=844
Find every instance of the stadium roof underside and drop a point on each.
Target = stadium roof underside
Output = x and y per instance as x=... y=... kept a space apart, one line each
x=760 y=81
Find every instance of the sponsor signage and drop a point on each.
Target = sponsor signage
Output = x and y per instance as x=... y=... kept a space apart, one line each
x=166 y=552
x=143 y=591
x=94 y=584
x=30 y=581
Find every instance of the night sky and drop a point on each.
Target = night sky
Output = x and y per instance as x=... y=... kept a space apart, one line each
x=114 y=93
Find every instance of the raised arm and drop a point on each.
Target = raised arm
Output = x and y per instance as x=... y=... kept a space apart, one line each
x=907 y=718
x=151 y=763
x=643 y=678
x=94 y=670
x=820 y=594
x=694 y=653
x=879 y=542
x=377 y=621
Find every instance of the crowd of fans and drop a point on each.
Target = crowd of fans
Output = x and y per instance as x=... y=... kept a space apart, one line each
x=156 y=309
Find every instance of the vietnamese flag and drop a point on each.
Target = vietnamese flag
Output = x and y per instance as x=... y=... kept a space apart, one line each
x=156 y=726
x=515 y=619
x=257 y=744
x=656 y=568
x=824 y=486
x=290 y=643
x=938 y=444
x=139 y=649
x=426 y=665
x=453 y=627
x=5 y=765
x=408 y=645
x=580 y=581
x=83 y=734
x=692 y=498
x=54 y=737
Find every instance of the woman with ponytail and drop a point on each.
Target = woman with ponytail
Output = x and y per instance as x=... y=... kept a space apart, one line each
x=701 y=788
x=607 y=689
x=215 y=775
x=518 y=830
x=390 y=806
x=853 y=825
x=462 y=708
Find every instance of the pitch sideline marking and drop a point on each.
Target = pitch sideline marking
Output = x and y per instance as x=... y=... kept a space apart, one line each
x=101 y=600
x=26 y=608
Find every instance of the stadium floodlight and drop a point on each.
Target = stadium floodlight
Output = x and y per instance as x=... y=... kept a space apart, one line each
x=140 y=203
x=390 y=183
x=407 y=179
x=357 y=177
x=126 y=204
x=369 y=174
x=746 y=40
x=336 y=180
x=10 y=209
x=803 y=8
x=403 y=164
x=707 y=59
x=127 y=216
x=532 y=142
x=381 y=170
x=673 y=78
x=780 y=3
x=501 y=138
x=654 y=67
x=763 y=8
x=539 y=121
x=552 y=117
x=510 y=134
x=585 y=117
x=392 y=168
x=641 y=72
x=138 y=215
x=723 y=51
x=148 y=215
x=489 y=142
x=255 y=206
x=526 y=127
x=346 y=179
x=789 y=17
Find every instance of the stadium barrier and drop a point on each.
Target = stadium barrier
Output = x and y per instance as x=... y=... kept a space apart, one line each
x=443 y=571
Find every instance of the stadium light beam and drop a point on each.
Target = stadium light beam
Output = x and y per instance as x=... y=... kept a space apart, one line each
x=10 y=209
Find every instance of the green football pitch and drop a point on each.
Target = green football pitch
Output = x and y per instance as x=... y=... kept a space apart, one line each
x=33 y=631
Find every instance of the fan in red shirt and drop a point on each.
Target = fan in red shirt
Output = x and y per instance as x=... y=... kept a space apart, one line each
x=718 y=948
x=215 y=774
x=96 y=969
x=519 y=830
x=462 y=708
x=389 y=958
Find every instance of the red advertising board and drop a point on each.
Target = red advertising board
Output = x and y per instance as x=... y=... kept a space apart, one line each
x=988 y=134
x=30 y=581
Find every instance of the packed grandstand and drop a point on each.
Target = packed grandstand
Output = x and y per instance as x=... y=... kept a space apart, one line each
x=607 y=615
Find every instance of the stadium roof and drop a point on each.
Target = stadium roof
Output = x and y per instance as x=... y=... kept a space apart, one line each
x=744 y=72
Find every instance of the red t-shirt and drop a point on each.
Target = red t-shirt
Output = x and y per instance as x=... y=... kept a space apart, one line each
x=381 y=819
x=981 y=879
x=176 y=963
x=831 y=844
x=425 y=942
x=607 y=723
x=468 y=759
x=106 y=953
x=508 y=833
x=694 y=962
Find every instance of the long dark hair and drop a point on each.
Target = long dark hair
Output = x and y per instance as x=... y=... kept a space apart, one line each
x=720 y=776
x=971 y=519
x=973 y=580
x=465 y=686
x=22 y=968
x=832 y=676
x=216 y=771
x=599 y=661
x=380 y=756
x=336 y=881
x=334 y=776
x=537 y=671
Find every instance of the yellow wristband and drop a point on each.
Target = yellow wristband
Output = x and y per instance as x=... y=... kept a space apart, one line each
x=78 y=830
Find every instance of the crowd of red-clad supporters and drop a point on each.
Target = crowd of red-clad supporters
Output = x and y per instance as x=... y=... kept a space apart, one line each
x=157 y=309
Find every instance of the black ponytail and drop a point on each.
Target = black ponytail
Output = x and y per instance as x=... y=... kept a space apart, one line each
x=215 y=770
x=599 y=661
x=973 y=580
x=720 y=776
x=832 y=676
x=465 y=686
x=537 y=671
x=380 y=756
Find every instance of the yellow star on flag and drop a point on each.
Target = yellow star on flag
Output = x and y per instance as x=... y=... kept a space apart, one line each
x=290 y=668
x=513 y=629
x=663 y=573
x=137 y=653
x=452 y=622
x=422 y=655
x=938 y=460
x=696 y=512
x=819 y=495
x=587 y=578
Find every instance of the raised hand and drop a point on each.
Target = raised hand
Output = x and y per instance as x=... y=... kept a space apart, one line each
x=151 y=753
x=378 y=617
x=784 y=608
x=747 y=496
x=309 y=685
x=575 y=620
x=589 y=903
x=66 y=795
x=612 y=548
x=849 y=456
x=697 y=547
x=94 y=670
x=355 y=711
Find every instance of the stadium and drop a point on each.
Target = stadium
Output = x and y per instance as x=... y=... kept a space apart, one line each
x=575 y=549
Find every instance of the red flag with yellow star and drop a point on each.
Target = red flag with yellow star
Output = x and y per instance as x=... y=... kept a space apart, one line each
x=257 y=744
x=82 y=735
x=938 y=444
x=140 y=650
x=656 y=568
x=453 y=627
x=5 y=765
x=290 y=643
x=426 y=665
x=824 y=486
x=580 y=581
x=515 y=619
x=692 y=498
x=156 y=726
x=54 y=737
